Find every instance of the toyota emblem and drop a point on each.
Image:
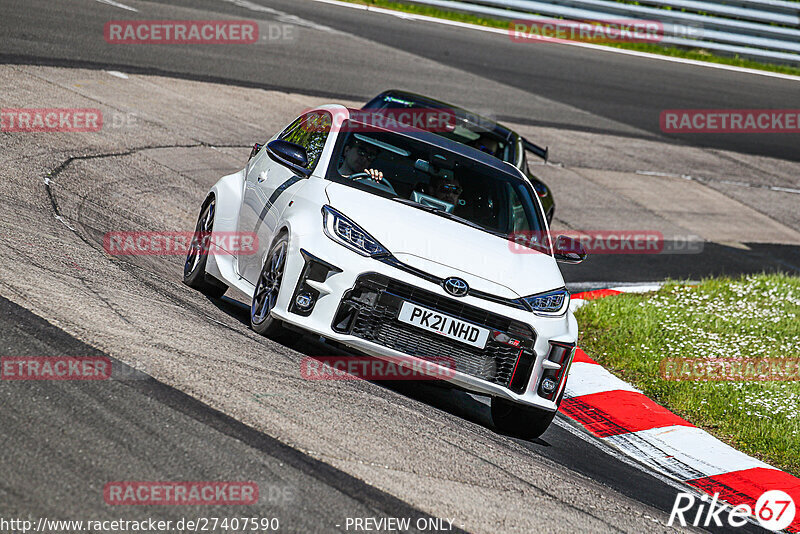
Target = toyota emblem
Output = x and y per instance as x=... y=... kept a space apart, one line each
x=456 y=287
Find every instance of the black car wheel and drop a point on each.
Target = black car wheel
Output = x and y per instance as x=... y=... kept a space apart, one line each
x=267 y=290
x=194 y=269
x=521 y=421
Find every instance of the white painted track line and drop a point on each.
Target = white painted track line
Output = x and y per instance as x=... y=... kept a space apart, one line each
x=587 y=378
x=117 y=4
x=690 y=446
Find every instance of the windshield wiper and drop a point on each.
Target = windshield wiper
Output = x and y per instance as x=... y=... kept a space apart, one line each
x=452 y=217
x=415 y=204
x=442 y=213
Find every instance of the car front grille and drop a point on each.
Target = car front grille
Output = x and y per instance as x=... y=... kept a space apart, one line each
x=369 y=311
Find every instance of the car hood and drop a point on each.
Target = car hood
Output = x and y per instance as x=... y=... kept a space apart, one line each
x=447 y=248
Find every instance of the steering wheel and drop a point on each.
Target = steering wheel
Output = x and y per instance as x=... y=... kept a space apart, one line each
x=383 y=184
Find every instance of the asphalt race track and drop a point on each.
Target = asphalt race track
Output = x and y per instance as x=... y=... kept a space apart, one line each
x=211 y=400
x=347 y=53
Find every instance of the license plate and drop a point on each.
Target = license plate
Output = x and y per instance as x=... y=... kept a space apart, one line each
x=444 y=325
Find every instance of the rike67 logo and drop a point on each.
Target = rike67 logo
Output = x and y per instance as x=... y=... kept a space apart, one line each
x=774 y=510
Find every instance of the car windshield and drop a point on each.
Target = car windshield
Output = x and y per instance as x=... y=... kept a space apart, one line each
x=468 y=128
x=433 y=179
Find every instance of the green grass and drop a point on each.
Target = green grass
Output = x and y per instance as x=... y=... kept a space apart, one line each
x=749 y=317
x=696 y=54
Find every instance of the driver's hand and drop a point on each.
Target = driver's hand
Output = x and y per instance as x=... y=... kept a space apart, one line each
x=375 y=174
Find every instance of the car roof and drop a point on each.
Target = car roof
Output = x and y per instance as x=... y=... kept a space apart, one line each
x=450 y=145
x=497 y=129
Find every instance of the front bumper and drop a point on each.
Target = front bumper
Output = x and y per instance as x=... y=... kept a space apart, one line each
x=342 y=282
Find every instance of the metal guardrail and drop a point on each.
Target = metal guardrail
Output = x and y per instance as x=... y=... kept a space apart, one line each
x=765 y=30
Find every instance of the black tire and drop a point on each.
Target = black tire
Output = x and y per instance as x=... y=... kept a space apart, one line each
x=194 y=269
x=518 y=420
x=267 y=290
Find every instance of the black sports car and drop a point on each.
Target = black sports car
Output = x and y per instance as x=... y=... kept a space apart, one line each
x=477 y=131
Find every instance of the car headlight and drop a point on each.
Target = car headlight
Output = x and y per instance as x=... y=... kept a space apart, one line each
x=347 y=233
x=550 y=303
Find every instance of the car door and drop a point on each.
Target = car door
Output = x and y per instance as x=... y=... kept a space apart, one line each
x=263 y=200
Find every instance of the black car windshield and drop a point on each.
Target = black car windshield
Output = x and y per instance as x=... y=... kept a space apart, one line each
x=468 y=129
x=433 y=179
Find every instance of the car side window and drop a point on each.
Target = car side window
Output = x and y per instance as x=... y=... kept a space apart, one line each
x=517 y=216
x=310 y=131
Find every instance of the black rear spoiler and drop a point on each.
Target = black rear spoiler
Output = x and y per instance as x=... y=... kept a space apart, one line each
x=543 y=153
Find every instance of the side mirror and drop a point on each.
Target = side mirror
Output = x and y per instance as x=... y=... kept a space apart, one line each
x=289 y=155
x=254 y=150
x=568 y=250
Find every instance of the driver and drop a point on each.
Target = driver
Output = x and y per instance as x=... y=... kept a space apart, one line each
x=356 y=158
x=487 y=144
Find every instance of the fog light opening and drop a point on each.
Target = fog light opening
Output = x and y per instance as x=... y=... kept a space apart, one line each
x=549 y=386
x=304 y=301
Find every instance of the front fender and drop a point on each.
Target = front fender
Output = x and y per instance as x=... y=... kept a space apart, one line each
x=228 y=192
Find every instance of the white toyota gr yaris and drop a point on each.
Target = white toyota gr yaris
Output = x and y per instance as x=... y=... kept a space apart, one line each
x=395 y=243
